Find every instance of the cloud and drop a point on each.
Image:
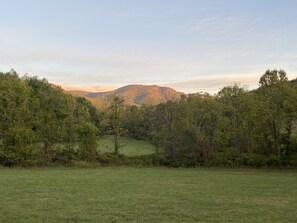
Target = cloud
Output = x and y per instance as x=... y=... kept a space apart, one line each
x=88 y=88
x=86 y=70
x=212 y=84
x=220 y=24
x=74 y=67
x=183 y=69
x=216 y=26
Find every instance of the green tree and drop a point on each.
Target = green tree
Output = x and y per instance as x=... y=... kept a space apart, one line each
x=116 y=121
x=237 y=107
x=18 y=143
x=88 y=141
x=166 y=115
x=278 y=97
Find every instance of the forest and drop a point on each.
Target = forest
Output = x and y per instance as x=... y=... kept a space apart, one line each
x=42 y=125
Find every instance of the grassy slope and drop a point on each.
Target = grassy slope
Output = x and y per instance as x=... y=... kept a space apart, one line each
x=147 y=195
x=132 y=147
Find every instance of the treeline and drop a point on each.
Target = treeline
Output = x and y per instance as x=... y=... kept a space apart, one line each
x=41 y=125
x=236 y=127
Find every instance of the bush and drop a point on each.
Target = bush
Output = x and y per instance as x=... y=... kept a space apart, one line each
x=273 y=161
x=242 y=160
x=226 y=158
x=84 y=164
x=111 y=159
x=256 y=160
x=7 y=159
x=59 y=155
x=292 y=162
x=19 y=147
x=229 y=158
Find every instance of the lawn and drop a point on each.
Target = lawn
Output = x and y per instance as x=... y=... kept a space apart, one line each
x=147 y=195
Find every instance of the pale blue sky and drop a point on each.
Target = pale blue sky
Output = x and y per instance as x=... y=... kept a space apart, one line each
x=191 y=45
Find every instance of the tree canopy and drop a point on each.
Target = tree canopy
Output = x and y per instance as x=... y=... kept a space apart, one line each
x=40 y=124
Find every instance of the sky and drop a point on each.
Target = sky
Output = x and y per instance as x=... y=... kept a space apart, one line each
x=190 y=45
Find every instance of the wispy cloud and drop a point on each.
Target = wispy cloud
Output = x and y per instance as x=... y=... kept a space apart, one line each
x=86 y=70
x=79 y=67
x=219 y=24
x=88 y=88
x=213 y=84
x=190 y=45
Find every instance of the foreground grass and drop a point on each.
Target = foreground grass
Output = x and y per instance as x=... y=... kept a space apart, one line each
x=147 y=195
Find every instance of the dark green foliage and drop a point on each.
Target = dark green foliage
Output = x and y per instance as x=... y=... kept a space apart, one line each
x=116 y=115
x=236 y=127
x=19 y=147
x=41 y=125
x=36 y=116
x=111 y=159
x=88 y=141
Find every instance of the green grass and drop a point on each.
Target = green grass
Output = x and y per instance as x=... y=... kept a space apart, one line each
x=131 y=147
x=147 y=195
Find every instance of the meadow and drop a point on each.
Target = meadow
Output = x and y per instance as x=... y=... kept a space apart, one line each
x=130 y=146
x=147 y=195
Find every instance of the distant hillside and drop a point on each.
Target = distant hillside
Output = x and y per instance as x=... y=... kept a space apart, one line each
x=133 y=95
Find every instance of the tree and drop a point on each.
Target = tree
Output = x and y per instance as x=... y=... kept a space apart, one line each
x=279 y=100
x=15 y=127
x=153 y=127
x=166 y=114
x=116 y=120
x=135 y=123
x=273 y=77
x=38 y=121
x=87 y=141
x=236 y=107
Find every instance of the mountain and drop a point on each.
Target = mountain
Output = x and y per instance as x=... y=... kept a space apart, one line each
x=132 y=94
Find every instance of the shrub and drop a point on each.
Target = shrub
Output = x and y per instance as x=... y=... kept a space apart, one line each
x=293 y=160
x=242 y=160
x=112 y=159
x=256 y=160
x=273 y=161
x=226 y=158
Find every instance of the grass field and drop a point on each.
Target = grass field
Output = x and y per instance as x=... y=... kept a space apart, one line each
x=147 y=195
x=131 y=147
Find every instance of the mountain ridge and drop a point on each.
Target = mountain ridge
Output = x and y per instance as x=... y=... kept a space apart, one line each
x=134 y=94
